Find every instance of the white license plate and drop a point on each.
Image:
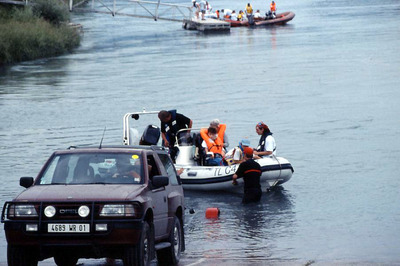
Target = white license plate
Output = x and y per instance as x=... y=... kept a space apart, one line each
x=68 y=228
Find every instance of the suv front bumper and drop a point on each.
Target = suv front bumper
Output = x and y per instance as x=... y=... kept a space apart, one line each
x=69 y=229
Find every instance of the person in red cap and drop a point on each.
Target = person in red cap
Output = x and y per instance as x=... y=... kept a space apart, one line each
x=250 y=170
x=266 y=145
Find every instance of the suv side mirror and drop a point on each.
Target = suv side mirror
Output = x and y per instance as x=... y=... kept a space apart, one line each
x=160 y=181
x=26 y=182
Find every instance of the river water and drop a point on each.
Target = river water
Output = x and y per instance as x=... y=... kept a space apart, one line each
x=327 y=84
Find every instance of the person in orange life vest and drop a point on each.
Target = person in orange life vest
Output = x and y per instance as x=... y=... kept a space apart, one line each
x=273 y=8
x=213 y=143
x=217 y=14
x=221 y=128
x=250 y=170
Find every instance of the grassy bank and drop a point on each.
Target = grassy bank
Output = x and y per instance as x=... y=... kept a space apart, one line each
x=33 y=32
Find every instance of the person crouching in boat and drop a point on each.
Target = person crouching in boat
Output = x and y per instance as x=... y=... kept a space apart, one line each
x=236 y=155
x=250 y=170
x=226 y=13
x=213 y=144
x=266 y=145
x=171 y=123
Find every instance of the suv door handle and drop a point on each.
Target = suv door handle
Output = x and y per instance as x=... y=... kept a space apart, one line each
x=165 y=199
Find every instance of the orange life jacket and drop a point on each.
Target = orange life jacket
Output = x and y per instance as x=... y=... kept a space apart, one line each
x=273 y=7
x=216 y=145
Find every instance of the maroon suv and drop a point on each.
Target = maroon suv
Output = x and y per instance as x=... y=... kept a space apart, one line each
x=117 y=202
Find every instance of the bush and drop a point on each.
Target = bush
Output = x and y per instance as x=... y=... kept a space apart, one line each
x=24 y=36
x=5 y=12
x=23 y=15
x=51 y=10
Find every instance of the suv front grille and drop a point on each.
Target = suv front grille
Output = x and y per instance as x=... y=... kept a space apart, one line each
x=69 y=211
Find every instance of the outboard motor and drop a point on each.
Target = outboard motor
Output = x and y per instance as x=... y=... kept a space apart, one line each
x=150 y=136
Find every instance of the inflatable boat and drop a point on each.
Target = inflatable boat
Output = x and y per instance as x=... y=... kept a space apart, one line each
x=281 y=18
x=236 y=23
x=194 y=174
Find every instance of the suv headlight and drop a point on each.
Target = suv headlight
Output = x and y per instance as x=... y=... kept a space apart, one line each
x=21 y=211
x=120 y=210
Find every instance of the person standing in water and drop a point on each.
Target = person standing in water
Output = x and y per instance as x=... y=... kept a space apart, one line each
x=250 y=170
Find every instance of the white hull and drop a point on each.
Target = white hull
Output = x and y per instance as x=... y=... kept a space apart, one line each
x=275 y=171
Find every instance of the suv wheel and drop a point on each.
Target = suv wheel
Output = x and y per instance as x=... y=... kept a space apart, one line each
x=65 y=260
x=171 y=255
x=20 y=256
x=141 y=255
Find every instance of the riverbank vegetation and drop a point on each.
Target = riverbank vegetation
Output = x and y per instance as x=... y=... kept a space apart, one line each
x=36 y=31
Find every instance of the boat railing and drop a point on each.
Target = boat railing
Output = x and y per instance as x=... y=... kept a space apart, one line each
x=128 y=131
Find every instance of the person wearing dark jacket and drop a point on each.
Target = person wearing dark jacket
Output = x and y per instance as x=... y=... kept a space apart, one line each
x=250 y=170
x=266 y=145
x=171 y=123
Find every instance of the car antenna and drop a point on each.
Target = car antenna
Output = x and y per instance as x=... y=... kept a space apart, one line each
x=101 y=141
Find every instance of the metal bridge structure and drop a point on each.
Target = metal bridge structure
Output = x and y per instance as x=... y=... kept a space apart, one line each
x=135 y=8
x=156 y=10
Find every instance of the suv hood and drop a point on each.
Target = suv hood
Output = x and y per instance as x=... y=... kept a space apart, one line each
x=80 y=192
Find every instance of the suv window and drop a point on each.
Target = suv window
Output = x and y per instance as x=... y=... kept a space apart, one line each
x=169 y=167
x=152 y=166
x=92 y=168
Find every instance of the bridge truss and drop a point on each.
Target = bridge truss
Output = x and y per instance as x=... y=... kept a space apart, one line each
x=135 y=8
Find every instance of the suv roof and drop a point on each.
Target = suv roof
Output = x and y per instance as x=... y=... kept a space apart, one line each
x=131 y=147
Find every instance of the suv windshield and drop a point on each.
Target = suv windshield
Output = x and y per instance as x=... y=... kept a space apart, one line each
x=93 y=168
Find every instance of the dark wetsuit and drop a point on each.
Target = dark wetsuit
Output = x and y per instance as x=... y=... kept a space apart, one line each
x=250 y=170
